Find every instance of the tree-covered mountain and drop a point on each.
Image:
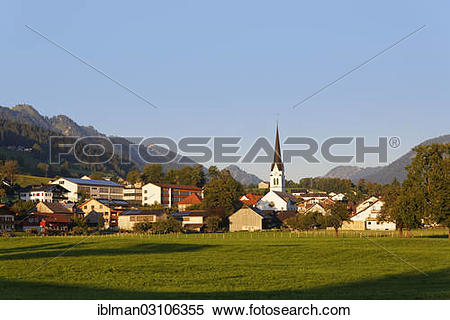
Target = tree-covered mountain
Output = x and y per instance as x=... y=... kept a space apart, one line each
x=382 y=174
x=63 y=125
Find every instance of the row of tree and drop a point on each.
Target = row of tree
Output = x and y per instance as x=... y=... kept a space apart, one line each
x=424 y=196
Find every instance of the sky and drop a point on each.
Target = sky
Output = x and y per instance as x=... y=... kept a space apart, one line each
x=231 y=68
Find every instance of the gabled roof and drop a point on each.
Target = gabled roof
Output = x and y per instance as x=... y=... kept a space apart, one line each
x=284 y=215
x=192 y=213
x=191 y=199
x=48 y=188
x=55 y=217
x=286 y=196
x=56 y=207
x=251 y=199
x=90 y=182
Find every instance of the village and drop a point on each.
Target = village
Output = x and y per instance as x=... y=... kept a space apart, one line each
x=74 y=205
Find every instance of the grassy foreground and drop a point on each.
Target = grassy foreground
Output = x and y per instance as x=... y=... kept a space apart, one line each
x=231 y=266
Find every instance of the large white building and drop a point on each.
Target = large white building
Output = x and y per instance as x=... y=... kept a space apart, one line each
x=367 y=217
x=88 y=188
x=277 y=199
x=168 y=195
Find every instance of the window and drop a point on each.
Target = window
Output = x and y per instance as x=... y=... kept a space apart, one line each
x=145 y=198
x=145 y=191
x=61 y=182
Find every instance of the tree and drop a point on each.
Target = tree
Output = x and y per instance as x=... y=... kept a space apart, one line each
x=9 y=170
x=428 y=176
x=213 y=223
x=21 y=207
x=43 y=168
x=338 y=213
x=2 y=195
x=170 y=225
x=134 y=176
x=213 y=172
x=142 y=227
x=223 y=192
x=96 y=176
x=306 y=221
x=153 y=173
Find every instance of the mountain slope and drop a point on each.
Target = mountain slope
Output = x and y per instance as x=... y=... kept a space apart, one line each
x=63 y=125
x=242 y=176
x=382 y=174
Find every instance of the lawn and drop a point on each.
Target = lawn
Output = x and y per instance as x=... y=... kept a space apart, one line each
x=269 y=265
x=24 y=180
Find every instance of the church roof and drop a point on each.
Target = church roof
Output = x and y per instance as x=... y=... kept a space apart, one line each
x=277 y=161
x=286 y=196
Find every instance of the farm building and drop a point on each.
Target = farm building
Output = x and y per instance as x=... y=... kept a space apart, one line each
x=128 y=219
x=252 y=219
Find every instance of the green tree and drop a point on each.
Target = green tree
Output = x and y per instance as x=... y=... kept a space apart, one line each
x=223 y=192
x=153 y=173
x=134 y=176
x=96 y=176
x=21 y=207
x=169 y=225
x=213 y=223
x=43 y=168
x=338 y=214
x=2 y=195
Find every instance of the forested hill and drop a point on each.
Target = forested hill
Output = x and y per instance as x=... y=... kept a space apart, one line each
x=29 y=145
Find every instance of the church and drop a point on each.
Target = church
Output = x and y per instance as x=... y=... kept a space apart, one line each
x=277 y=199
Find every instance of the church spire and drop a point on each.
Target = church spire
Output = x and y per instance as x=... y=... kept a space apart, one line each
x=277 y=154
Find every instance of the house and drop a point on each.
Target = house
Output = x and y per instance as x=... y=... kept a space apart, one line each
x=277 y=199
x=316 y=207
x=44 y=193
x=88 y=188
x=315 y=197
x=108 y=209
x=337 y=197
x=6 y=219
x=129 y=218
x=52 y=207
x=45 y=222
x=193 y=220
x=283 y=216
x=367 y=217
x=252 y=219
x=263 y=185
x=298 y=192
x=133 y=194
x=167 y=194
x=250 y=199
x=190 y=200
x=366 y=203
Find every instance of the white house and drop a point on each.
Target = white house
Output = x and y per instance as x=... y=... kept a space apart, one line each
x=337 y=197
x=44 y=193
x=277 y=199
x=96 y=189
x=167 y=194
x=367 y=217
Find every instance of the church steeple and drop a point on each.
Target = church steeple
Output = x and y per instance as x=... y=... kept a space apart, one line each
x=277 y=167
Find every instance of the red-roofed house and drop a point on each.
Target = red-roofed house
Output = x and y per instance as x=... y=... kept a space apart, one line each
x=250 y=199
x=192 y=199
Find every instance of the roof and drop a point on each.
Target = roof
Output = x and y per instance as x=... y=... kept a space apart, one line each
x=4 y=210
x=277 y=154
x=251 y=200
x=48 y=188
x=286 y=196
x=254 y=209
x=113 y=202
x=177 y=186
x=313 y=195
x=138 y=212
x=56 y=207
x=299 y=191
x=284 y=215
x=93 y=182
x=191 y=199
x=55 y=217
x=192 y=213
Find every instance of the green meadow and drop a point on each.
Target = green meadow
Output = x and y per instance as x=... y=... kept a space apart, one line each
x=266 y=265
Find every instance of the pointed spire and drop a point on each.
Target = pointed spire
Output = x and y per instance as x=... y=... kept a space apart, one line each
x=277 y=154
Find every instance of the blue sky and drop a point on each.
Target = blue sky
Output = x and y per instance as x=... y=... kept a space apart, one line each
x=227 y=68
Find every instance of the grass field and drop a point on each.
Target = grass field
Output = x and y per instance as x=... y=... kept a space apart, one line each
x=269 y=265
x=24 y=180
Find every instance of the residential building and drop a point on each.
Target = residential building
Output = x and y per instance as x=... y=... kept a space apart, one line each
x=129 y=218
x=277 y=199
x=190 y=200
x=45 y=222
x=88 y=188
x=298 y=192
x=315 y=197
x=108 y=209
x=337 y=197
x=193 y=220
x=133 y=194
x=44 y=193
x=52 y=207
x=367 y=218
x=6 y=219
x=167 y=194
x=251 y=219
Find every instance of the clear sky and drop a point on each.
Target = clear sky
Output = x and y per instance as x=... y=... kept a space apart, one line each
x=227 y=68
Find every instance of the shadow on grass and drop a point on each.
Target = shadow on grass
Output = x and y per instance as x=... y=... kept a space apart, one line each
x=401 y=286
x=80 y=250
